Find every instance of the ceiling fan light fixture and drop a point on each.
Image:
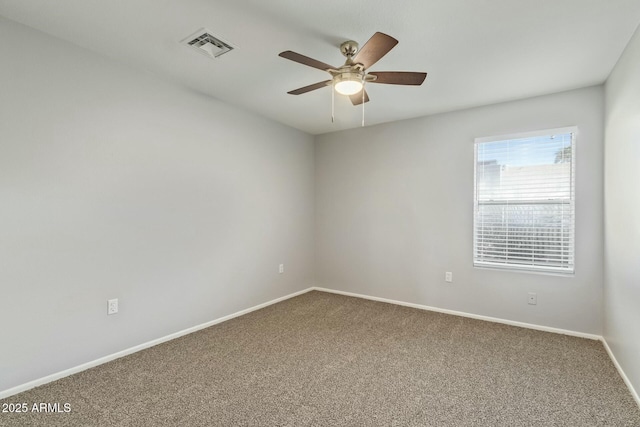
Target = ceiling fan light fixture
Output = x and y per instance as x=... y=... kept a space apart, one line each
x=349 y=87
x=348 y=83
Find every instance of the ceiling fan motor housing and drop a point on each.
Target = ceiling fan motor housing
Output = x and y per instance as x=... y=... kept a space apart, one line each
x=350 y=75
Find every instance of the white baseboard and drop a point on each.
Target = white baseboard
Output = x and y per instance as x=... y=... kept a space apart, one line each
x=633 y=391
x=119 y=354
x=463 y=314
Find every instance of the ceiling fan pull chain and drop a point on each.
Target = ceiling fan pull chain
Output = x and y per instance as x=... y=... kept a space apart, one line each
x=363 y=106
x=332 y=102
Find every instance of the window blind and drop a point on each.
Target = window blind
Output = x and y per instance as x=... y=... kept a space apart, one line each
x=524 y=202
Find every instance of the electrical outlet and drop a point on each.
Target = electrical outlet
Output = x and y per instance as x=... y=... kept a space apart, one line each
x=112 y=306
x=532 y=298
x=281 y=268
x=448 y=276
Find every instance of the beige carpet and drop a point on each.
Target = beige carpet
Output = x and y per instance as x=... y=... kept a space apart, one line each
x=328 y=360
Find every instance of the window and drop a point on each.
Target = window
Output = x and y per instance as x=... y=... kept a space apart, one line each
x=524 y=208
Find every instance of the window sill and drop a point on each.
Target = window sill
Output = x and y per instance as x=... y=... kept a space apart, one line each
x=511 y=269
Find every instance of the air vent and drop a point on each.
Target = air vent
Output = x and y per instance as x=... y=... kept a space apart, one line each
x=207 y=44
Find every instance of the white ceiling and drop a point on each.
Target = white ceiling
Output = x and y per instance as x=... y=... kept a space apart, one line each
x=476 y=52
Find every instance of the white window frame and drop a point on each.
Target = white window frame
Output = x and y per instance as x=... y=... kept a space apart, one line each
x=573 y=130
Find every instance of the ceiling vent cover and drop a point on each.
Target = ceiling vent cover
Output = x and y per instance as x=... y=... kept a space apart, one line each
x=207 y=44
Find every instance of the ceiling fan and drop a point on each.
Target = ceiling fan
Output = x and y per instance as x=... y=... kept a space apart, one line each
x=350 y=78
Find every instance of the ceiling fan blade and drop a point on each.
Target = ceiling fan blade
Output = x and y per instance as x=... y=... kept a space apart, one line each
x=309 y=88
x=356 y=99
x=305 y=60
x=374 y=49
x=399 y=77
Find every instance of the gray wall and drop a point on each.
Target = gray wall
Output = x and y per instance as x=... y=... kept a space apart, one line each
x=622 y=212
x=114 y=184
x=394 y=211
